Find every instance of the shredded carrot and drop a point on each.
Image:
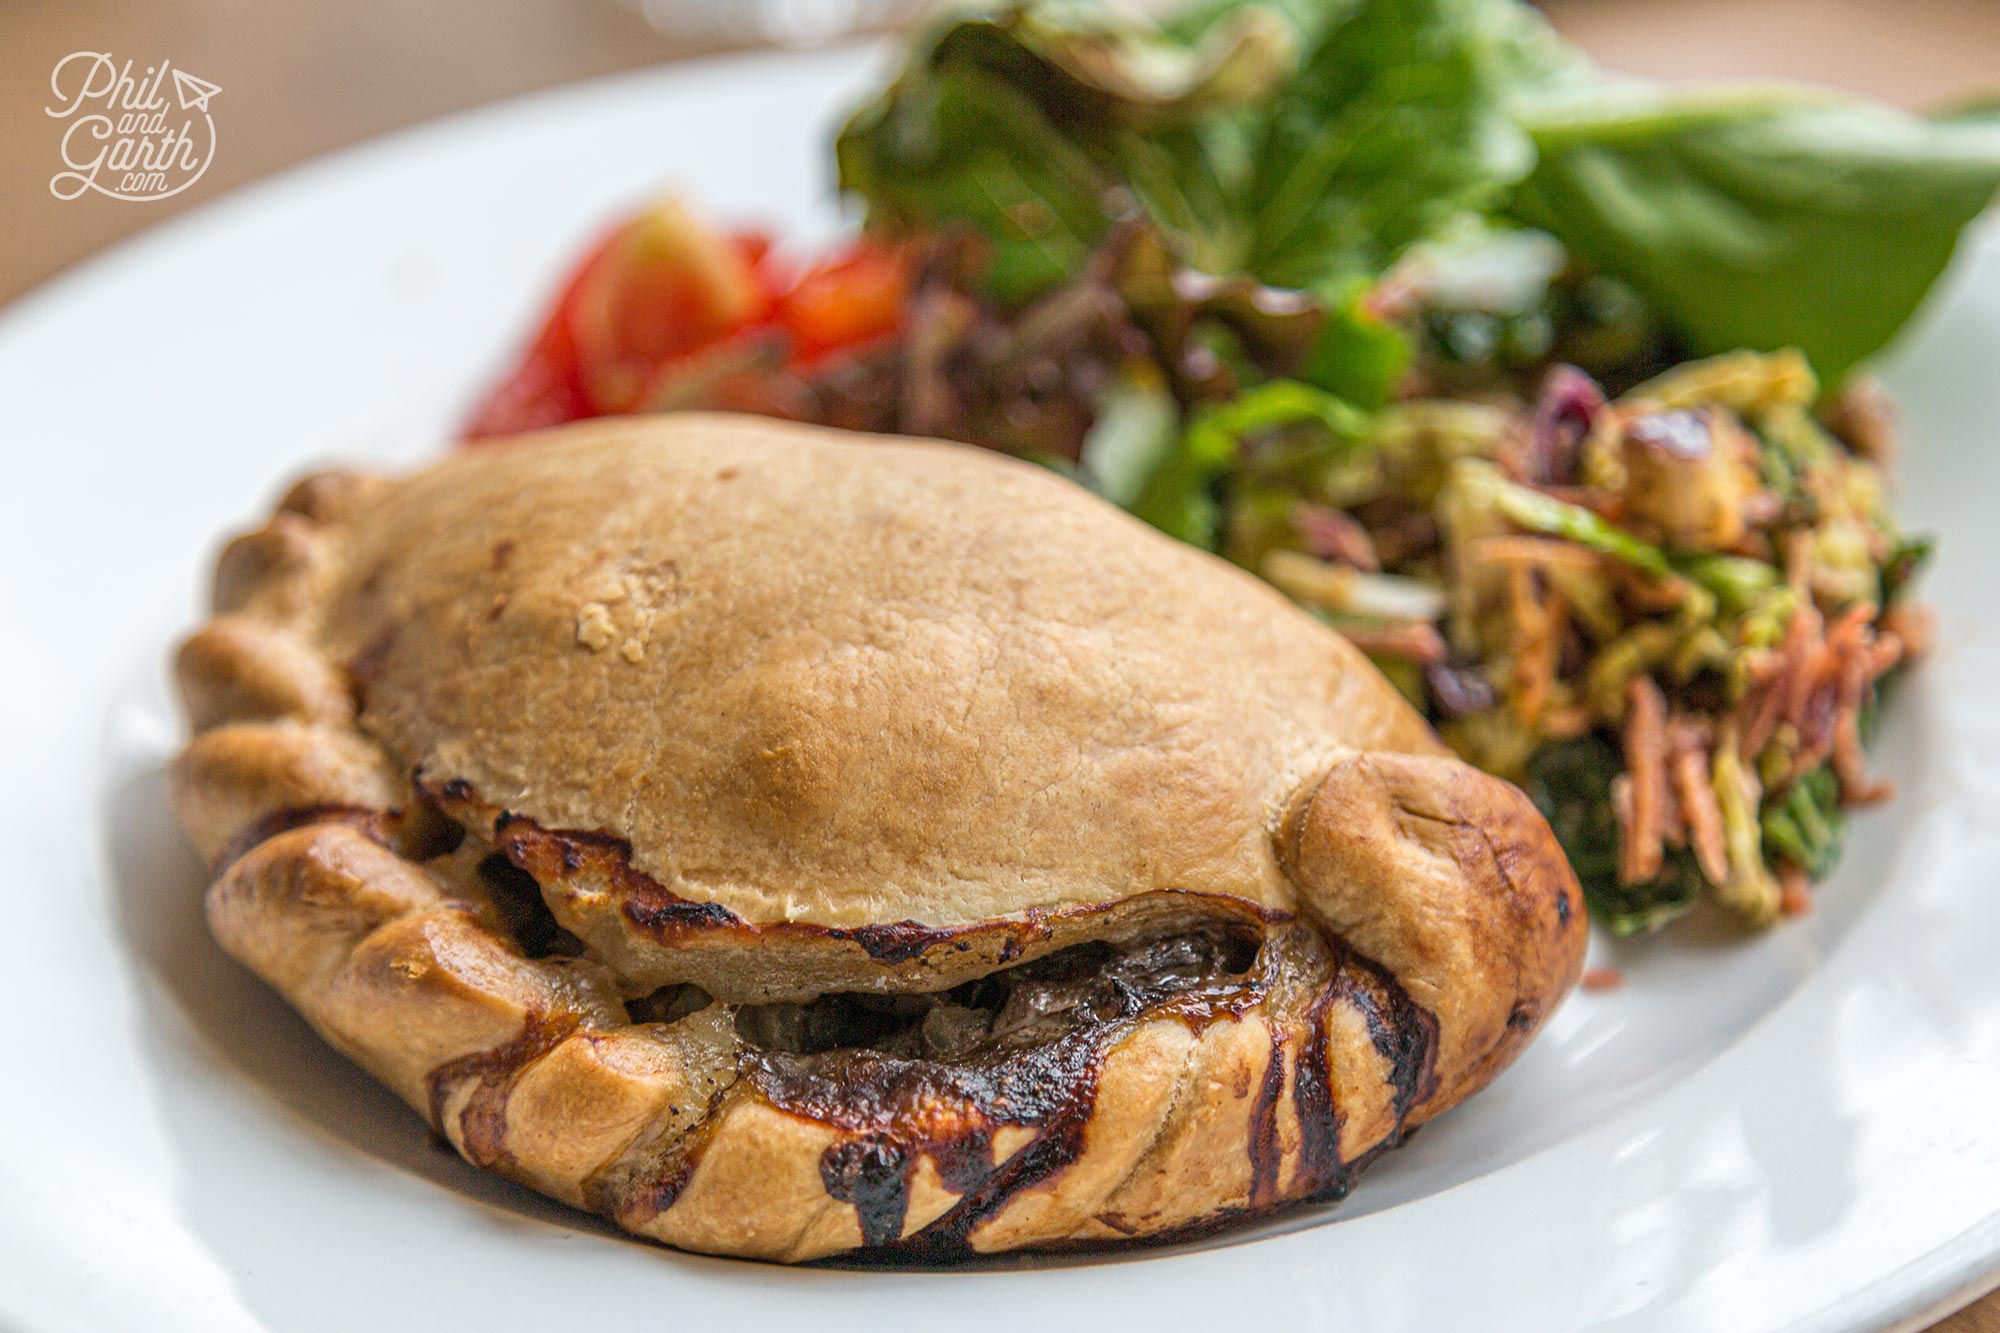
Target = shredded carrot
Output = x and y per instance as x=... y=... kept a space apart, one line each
x=1681 y=733
x=1782 y=677
x=1850 y=765
x=1648 y=595
x=1568 y=722
x=1603 y=979
x=1887 y=652
x=1416 y=640
x=1819 y=718
x=1544 y=551
x=1673 y=818
x=1641 y=852
x=1854 y=623
x=1804 y=648
x=1694 y=783
x=1539 y=619
x=1851 y=657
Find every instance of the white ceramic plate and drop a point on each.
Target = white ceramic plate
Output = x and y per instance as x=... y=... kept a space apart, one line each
x=1800 y=1130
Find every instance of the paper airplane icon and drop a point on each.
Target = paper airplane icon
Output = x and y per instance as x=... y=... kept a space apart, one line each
x=194 y=93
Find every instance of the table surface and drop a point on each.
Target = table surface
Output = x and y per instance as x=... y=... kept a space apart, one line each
x=305 y=78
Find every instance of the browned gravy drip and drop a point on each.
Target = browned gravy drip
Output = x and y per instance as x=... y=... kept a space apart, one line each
x=1059 y=1081
x=1401 y=1031
x=911 y=1109
x=1266 y=1155
x=1320 y=1120
x=1043 y=1077
x=656 y=1198
x=871 y=1174
x=1051 y=1024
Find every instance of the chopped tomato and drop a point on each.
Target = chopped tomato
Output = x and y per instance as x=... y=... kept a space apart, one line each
x=658 y=287
x=665 y=286
x=543 y=392
x=664 y=312
x=545 y=389
x=854 y=297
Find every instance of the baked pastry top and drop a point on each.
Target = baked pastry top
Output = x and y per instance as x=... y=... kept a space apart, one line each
x=785 y=841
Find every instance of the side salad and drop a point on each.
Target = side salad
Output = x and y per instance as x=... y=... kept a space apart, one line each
x=1545 y=386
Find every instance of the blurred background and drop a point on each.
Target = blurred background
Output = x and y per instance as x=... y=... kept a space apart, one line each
x=300 y=79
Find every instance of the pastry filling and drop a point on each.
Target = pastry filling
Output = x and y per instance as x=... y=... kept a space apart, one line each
x=1207 y=968
x=517 y=899
x=1082 y=986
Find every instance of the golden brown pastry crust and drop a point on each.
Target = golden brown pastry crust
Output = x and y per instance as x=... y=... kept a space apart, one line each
x=783 y=713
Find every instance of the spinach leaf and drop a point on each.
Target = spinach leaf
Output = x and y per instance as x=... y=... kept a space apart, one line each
x=1760 y=218
x=1570 y=783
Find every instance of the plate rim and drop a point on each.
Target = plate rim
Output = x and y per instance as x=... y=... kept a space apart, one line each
x=1948 y=1276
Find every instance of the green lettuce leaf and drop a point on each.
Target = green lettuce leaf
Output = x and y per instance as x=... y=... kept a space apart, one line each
x=1391 y=128
x=1358 y=356
x=1305 y=144
x=973 y=148
x=1762 y=218
x=1039 y=124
